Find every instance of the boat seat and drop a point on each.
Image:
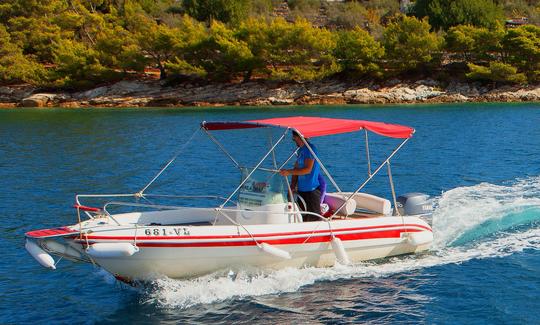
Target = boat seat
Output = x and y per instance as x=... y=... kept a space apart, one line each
x=336 y=200
x=371 y=203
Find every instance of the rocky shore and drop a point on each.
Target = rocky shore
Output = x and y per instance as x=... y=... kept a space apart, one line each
x=152 y=93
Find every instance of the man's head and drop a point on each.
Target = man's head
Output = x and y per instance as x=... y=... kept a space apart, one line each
x=297 y=139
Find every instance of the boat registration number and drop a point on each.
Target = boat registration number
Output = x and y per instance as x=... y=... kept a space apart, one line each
x=167 y=231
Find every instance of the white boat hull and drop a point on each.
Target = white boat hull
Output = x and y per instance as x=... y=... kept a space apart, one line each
x=189 y=251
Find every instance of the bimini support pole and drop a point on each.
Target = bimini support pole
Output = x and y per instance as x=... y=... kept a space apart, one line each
x=254 y=169
x=320 y=163
x=396 y=211
x=371 y=176
x=367 y=153
x=141 y=192
x=220 y=146
x=265 y=247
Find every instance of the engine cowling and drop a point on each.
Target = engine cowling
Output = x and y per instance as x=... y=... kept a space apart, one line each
x=414 y=204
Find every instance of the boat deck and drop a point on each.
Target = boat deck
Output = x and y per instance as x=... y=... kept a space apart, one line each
x=49 y=233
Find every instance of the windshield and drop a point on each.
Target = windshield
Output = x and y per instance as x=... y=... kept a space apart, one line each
x=263 y=187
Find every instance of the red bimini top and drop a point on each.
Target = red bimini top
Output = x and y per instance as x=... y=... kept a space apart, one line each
x=317 y=126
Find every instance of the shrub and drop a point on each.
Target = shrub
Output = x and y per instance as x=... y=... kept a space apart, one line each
x=409 y=43
x=358 y=51
x=444 y=14
x=497 y=72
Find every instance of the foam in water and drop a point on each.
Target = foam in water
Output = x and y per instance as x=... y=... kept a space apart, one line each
x=461 y=210
x=460 y=213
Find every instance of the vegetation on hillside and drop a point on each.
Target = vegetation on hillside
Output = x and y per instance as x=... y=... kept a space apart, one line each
x=77 y=44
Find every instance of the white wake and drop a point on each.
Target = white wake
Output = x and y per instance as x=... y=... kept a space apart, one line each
x=457 y=211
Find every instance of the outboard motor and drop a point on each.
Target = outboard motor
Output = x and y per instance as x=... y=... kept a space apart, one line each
x=414 y=204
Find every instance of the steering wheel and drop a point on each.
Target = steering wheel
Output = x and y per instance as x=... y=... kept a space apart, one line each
x=298 y=197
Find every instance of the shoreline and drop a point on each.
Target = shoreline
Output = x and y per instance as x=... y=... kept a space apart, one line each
x=151 y=93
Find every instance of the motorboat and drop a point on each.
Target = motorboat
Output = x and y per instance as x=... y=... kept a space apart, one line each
x=259 y=224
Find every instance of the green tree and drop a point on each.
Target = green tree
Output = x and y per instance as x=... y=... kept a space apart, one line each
x=475 y=44
x=300 y=51
x=227 y=11
x=158 y=42
x=285 y=50
x=255 y=33
x=164 y=46
x=409 y=43
x=221 y=54
x=497 y=72
x=444 y=14
x=14 y=66
x=78 y=65
x=31 y=25
x=191 y=34
x=356 y=50
x=522 y=49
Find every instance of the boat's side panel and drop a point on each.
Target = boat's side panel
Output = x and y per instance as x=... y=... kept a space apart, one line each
x=174 y=263
x=200 y=250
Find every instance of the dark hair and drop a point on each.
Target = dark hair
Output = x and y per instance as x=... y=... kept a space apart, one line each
x=296 y=134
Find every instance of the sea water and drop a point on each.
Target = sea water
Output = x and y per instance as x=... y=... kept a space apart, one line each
x=479 y=162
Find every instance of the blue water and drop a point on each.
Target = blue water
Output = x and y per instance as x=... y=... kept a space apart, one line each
x=480 y=162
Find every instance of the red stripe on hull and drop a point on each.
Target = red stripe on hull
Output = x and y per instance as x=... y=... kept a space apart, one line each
x=248 y=236
x=384 y=234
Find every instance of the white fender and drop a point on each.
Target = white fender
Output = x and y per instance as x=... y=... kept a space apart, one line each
x=111 y=250
x=39 y=254
x=272 y=250
x=339 y=251
x=420 y=238
x=62 y=249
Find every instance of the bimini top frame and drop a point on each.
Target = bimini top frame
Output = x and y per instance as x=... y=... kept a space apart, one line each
x=306 y=127
x=310 y=127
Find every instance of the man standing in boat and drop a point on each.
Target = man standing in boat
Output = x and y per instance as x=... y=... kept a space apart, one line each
x=305 y=177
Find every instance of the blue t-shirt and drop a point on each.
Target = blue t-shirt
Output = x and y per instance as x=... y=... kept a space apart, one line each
x=308 y=182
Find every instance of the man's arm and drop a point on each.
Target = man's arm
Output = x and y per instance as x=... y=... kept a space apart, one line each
x=308 y=166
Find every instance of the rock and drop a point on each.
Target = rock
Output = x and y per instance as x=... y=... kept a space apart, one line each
x=448 y=98
x=92 y=93
x=38 y=100
x=392 y=82
x=280 y=101
x=428 y=82
x=162 y=102
x=14 y=94
x=424 y=92
x=151 y=93
x=8 y=105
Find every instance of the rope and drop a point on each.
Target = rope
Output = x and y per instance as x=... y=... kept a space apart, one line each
x=61 y=257
x=316 y=228
x=238 y=225
x=169 y=163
